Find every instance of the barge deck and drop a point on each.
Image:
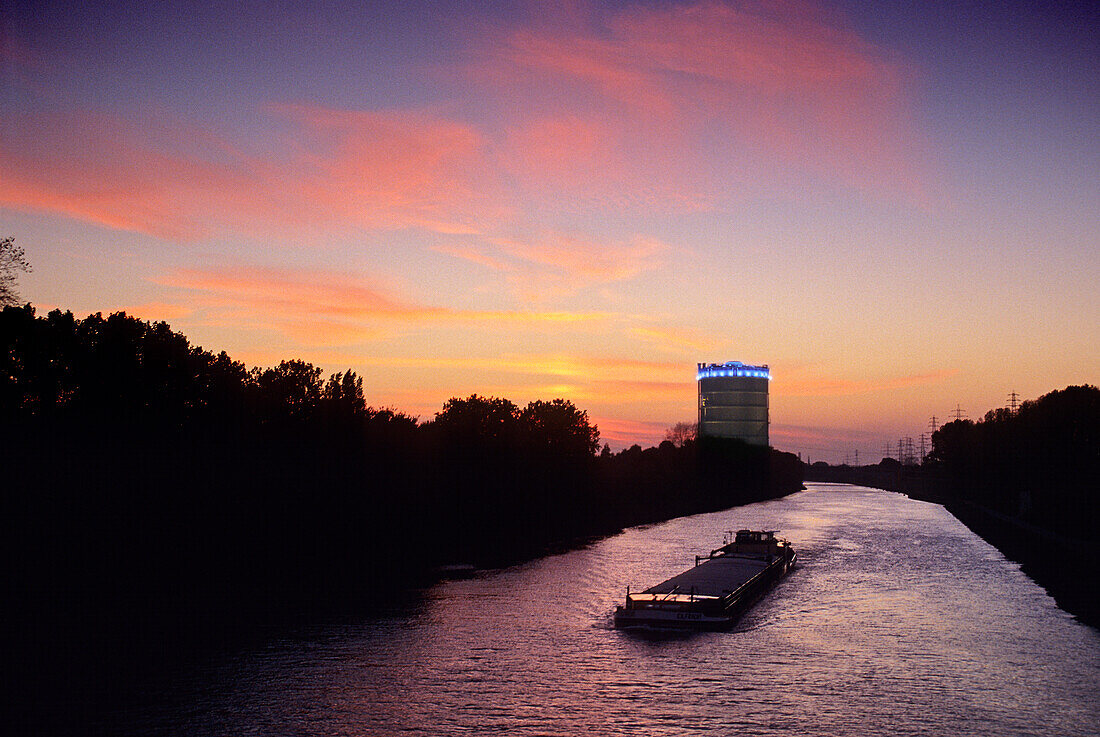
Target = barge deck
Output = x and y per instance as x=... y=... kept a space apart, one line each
x=716 y=591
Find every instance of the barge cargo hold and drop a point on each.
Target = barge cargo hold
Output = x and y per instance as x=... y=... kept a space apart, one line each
x=714 y=593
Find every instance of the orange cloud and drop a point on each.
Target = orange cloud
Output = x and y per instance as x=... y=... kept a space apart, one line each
x=579 y=378
x=584 y=259
x=160 y=311
x=320 y=307
x=674 y=338
x=626 y=391
x=587 y=380
x=317 y=292
x=576 y=369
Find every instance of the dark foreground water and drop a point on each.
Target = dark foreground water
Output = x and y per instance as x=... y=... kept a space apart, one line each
x=898 y=621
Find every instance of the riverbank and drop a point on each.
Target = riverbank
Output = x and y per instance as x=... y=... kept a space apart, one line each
x=1065 y=566
x=938 y=638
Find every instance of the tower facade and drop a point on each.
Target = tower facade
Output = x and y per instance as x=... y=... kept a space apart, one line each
x=733 y=401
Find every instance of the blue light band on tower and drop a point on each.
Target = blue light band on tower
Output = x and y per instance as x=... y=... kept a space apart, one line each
x=733 y=401
x=732 y=368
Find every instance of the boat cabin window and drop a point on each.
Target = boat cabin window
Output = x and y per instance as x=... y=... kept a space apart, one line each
x=755 y=536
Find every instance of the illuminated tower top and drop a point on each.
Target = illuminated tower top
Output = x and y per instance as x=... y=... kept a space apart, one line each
x=732 y=368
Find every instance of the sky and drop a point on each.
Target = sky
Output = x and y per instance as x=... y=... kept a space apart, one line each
x=894 y=205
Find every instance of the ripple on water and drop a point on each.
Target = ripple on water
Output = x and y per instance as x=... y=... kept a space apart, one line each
x=897 y=621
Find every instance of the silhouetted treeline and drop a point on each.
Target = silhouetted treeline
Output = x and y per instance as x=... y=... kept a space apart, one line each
x=703 y=475
x=157 y=491
x=1039 y=464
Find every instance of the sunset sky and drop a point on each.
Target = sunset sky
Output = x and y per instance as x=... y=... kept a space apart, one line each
x=896 y=205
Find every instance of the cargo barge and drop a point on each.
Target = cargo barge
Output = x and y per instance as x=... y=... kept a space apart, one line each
x=715 y=592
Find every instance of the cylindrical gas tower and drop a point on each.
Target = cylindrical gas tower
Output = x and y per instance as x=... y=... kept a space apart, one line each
x=733 y=401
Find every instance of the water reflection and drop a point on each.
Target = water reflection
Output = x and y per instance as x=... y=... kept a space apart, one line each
x=898 y=620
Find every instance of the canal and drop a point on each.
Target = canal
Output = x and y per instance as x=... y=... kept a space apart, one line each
x=898 y=621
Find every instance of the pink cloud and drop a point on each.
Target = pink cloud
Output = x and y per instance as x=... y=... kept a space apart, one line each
x=536 y=146
x=102 y=169
x=375 y=170
x=581 y=57
x=786 y=80
x=557 y=264
x=386 y=169
x=477 y=256
x=584 y=158
x=672 y=107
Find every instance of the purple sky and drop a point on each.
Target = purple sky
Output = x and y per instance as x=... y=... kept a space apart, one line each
x=895 y=205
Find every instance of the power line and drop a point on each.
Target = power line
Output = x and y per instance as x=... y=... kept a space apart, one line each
x=959 y=413
x=1013 y=402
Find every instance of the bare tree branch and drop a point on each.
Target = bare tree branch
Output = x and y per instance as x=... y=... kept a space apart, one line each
x=12 y=260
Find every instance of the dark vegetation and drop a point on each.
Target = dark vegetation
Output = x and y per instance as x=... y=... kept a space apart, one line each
x=159 y=496
x=1026 y=481
x=1040 y=464
x=12 y=260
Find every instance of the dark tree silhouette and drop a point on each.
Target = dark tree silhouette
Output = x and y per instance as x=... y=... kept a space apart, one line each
x=478 y=418
x=346 y=392
x=682 y=433
x=12 y=260
x=158 y=494
x=1039 y=463
x=292 y=389
x=559 y=426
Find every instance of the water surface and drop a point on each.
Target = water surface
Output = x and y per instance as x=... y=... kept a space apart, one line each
x=898 y=620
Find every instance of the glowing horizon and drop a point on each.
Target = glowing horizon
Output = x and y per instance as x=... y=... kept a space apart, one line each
x=896 y=216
